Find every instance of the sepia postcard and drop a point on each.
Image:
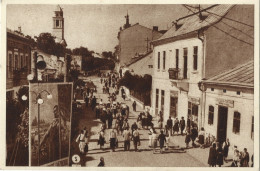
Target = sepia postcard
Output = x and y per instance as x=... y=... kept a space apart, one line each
x=136 y=85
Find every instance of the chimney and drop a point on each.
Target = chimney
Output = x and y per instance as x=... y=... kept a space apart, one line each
x=155 y=28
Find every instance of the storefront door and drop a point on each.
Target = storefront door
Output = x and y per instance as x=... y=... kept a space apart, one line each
x=222 y=124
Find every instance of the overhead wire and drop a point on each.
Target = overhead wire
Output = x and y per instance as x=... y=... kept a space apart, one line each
x=223 y=30
x=220 y=16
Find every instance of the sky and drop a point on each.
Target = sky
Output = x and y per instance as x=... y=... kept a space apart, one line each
x=92 y=26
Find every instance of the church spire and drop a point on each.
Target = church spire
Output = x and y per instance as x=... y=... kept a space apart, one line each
x=127 y=24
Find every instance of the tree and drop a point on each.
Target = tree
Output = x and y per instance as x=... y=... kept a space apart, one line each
x=46 y=43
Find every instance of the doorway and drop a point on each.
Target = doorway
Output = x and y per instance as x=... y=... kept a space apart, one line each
x=222 y=124
x=173 y=107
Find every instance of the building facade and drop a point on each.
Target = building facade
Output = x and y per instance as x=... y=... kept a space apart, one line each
x=135 y=40
x=229 y=106
x=197 y=47
x=18 y=61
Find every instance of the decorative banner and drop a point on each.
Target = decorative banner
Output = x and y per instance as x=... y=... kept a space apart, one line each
x=50 y=123
x=194 y=100
x=224 y=102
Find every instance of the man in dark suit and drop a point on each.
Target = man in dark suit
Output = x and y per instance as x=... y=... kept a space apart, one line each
x=169 y=125
x=182 y=125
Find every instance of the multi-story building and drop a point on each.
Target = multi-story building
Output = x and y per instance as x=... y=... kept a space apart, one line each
x=18 y=61
x=135 y=40
x=229 y=106
x=197 y=47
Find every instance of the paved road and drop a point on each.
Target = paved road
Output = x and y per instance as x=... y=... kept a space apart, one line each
x=174 y=157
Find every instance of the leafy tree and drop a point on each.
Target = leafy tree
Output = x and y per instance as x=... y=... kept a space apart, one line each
x=46 y=43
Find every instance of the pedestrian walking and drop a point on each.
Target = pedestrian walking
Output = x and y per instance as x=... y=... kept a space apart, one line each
x=113 y=139
x=154 y=140
x=201 y=137
x=167 y=136
x=101 y=139
x=176 y=126
x=87 y=100
x=187 y=139
x=219 y=155
x=139 y=120
x=127 y=139
x=169 y=125
x=245 y=158
x=134 y=106
x=161 y=139
x=136 y=139
x=226 y=145
x=81 y=139
x=182 y=124
x=102 y=162
x=212 y=156
x=194 y=135
x=93 y=103
x=134 y=127
x=236 y=158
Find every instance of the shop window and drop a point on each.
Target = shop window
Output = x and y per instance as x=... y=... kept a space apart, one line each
x=193 y=113
x=195 y=57
x=164 y=59
x=238 y=92
x=158 y=60
x=236 y=122
x=252 y=128
x=211 y=115
x=224 y=91
x=212 y=89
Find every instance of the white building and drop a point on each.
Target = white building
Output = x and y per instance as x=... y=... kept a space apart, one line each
x=229 y=107
x=197 y=47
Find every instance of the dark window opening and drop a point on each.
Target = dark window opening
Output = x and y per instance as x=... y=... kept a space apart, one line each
x=236 y=122
x=195 y=57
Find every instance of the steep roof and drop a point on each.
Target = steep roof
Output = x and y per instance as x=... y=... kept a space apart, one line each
x=240 y=76
x=137 y=59
x=193 y=23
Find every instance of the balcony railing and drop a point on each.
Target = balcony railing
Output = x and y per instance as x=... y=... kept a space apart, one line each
x=174 y=73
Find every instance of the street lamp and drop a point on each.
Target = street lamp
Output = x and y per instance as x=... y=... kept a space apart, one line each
x=39 y=100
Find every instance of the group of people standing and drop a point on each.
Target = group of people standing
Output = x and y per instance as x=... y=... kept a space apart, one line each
x=218 y=153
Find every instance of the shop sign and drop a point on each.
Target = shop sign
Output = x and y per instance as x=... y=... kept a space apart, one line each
x=225 y=102
x=174 y=93
x=194 y=100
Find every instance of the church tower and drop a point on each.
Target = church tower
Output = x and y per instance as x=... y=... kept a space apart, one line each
x=127 y=24
x=58 y=25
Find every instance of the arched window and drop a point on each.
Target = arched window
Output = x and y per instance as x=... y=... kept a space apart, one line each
x=211 y=115
x=236 y=122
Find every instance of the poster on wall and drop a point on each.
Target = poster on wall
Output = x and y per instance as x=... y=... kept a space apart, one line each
x=50 y=123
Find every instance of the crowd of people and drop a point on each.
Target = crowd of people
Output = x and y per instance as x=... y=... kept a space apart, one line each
x=114 y=117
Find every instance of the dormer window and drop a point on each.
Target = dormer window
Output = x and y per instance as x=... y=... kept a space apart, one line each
x=178 y=24
x=203 y=15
